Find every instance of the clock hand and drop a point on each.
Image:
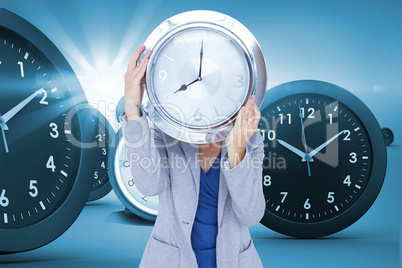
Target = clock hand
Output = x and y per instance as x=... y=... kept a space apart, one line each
x=182 y=88
x=3 y=127
x=295 y=150
x=305 y=143
x=201 y=55
x=199 y=78
x=7 y=116
x=319 y=148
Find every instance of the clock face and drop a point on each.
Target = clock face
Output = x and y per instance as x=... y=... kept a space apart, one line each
x=123 y=184
x=325 y=158
x=38 y=163
x=209 y=97
x=96 y=136
x=388 y=136
x=334 y=175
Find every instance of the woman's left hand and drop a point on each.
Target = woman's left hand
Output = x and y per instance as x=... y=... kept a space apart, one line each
x=244 y=127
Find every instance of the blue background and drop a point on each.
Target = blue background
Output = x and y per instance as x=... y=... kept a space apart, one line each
x=354 y=44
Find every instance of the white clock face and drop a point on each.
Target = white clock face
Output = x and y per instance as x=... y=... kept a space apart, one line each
x=146 y=204
x=217 y=93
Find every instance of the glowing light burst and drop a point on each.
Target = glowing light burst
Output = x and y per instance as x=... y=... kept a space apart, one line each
x=100 y=57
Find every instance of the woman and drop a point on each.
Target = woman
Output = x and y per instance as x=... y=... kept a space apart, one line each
x=208 y=194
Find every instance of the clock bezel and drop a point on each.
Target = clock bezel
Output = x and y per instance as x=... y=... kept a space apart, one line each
x=225 y=25
x=157 y=48
x=379 y=160
x=50 y=228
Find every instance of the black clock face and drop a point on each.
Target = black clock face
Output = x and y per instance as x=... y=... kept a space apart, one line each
x=101 y=173
x=318 y=158
x=94 y=137
x=388 y=136
x=102 y=140
x=38 y=163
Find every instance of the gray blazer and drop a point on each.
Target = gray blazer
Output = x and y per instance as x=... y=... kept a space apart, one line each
x=170 y=168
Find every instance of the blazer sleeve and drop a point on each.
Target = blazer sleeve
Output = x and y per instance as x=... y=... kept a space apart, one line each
x=244 y=182
x=147 y=155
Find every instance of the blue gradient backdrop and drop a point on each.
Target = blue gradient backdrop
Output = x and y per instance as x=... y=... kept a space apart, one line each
x=354 y=44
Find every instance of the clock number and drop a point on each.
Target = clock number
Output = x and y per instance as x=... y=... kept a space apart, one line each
x=346 y=138
x=50 y=163
x=307 y=205
x=54 y=133
x=353 y=157
x=96 y=175
x=330 y=119
x=309 y=110
x=347 y=180
x=239 y=81
x=33 y=188
x=103 y=165
x=42 y=101
x=21 y=68
x=331 y=197
x=289 y=116
x=284 y=196
x=162 y=75
x=271 y=135
x=104 y=151
x=197 y=115
x=3 y=199
x=267 y=180
x=98 y=137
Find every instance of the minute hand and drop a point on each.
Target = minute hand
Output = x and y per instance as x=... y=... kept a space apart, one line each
x=322 y=146
x=7 y=116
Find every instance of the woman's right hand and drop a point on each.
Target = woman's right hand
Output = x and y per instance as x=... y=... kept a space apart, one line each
x=134 y=77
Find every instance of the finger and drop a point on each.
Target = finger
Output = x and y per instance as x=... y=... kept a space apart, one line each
x=143 y=62
x=249 y=109
x=135 y=57
x=140 y=71
x=256 y=116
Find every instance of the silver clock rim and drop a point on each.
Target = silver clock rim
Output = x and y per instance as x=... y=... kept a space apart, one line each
x=225 y=25
x=195 y=26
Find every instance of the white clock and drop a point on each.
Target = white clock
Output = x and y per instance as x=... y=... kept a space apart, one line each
x=204 y=67
x=121 y=178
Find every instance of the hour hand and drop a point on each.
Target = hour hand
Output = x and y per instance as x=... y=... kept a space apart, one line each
x=295 y=150
x=182 y=88
x=3 y=127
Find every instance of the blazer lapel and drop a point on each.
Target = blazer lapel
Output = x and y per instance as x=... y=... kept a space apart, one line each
x=193 y=159
x=223 y=188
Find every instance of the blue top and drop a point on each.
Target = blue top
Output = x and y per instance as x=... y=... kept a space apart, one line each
x=205 y=228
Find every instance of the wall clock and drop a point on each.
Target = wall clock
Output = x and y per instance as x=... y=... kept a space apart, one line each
x=325 y=158
x=123 y=184
x=204 y=67
x=388 y=136
x=96 y=136
x=42 y=187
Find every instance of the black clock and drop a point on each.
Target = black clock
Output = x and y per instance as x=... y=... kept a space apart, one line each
x=95 y=136
x=325 y=158
x=42 y=187
x=388 y=136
